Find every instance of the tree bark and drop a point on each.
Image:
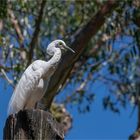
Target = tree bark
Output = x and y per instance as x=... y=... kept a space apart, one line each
x=79 y=42
x=136 y=134
x=33 y=125
x=36 y=31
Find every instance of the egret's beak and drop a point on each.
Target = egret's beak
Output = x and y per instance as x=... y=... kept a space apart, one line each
x=69 y=49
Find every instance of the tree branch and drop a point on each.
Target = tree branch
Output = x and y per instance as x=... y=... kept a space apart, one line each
x=16 y=25
x=7 y=69
x=136 y=134
x=1 y=24
x=36 y=31
x=78 y=42
x=7 y=78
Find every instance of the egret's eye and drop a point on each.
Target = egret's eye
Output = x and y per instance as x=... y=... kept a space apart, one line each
x=60 y=43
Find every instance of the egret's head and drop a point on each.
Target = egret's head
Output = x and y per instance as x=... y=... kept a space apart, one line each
x=58 y=44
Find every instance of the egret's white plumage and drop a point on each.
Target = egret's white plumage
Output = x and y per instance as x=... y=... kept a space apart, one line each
x=33 y=83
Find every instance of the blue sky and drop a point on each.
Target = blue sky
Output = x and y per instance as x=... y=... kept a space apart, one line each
x=101 y=124
x=97 y=124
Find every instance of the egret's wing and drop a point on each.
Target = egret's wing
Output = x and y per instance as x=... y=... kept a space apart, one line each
x=18 y=97
x=26 y=86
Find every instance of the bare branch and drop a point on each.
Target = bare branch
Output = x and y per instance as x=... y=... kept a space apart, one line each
x=1 y=24
x=36 y=31
x=7 y=78
x=16 y=25
x=6 y=69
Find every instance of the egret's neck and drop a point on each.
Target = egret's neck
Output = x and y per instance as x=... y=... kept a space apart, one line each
x=56 y=57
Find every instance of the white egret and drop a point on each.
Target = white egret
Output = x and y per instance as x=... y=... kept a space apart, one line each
x=33 y=83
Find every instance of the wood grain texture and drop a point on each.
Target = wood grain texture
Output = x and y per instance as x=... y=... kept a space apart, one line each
x=33 y=125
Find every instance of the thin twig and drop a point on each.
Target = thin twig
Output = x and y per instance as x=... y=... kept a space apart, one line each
x=7 y=69
x=1 y=24
x=7 y=78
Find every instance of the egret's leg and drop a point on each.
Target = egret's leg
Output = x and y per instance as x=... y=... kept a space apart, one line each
x=36 y=105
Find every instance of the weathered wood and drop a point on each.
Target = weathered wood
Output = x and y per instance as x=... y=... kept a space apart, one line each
x=33 y=125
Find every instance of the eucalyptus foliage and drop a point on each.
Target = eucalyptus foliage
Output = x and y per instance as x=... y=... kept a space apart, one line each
x=115 y=62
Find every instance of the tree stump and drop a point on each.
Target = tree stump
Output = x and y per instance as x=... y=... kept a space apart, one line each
x=33 y=125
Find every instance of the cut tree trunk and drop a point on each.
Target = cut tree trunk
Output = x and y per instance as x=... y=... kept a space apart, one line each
x=33 y=125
